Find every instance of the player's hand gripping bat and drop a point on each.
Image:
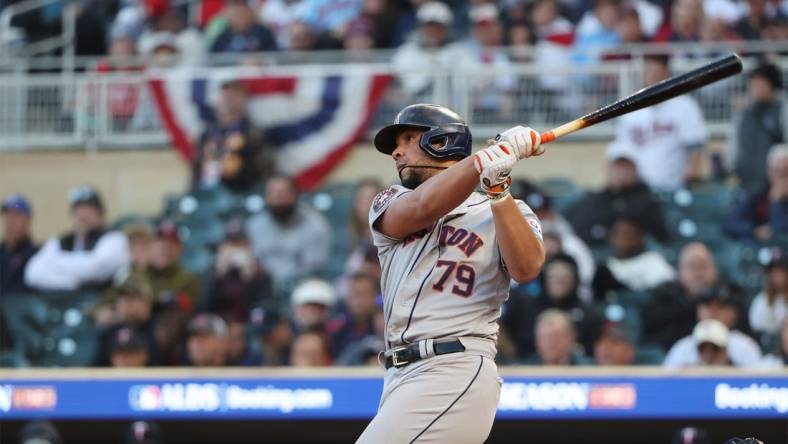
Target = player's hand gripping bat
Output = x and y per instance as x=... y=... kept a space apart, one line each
x=651 y=95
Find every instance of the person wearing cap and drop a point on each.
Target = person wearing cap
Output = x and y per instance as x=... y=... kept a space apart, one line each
x=207 y=345
x=129 y=349
x=239 y=283
x=312 y=301
x=430 y=49
x=719 y=318
x=763 y=215
x=134 y=311
x=631 y=266
x=666 y=140
x=16 y=247
x=274 y=334
x=769 y=308
x=615 y=346
x=86 y=257
x=232 y=152
x=491 y=93
x=240 y=352
x=171 y=283
x=760 y=126
x=592 y=216
x=672 y=311
x=290 y=239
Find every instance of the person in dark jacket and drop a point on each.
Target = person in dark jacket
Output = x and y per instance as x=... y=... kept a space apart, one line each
x=593 y=215
x=559 y=292
x=232 y=151
x=16 y=247
x=764 y=215
x=763 y=124
x=671 y=313
x=243 y=33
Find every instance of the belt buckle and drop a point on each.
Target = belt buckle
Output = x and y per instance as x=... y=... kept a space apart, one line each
x=395 y=361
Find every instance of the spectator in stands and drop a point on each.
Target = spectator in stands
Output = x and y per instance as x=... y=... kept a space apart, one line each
x=552 y=220
x=359 y=37
x=560 y=292
x=274 y=334
x=751 y=25
x=631 y=267
x=134 y=310
x=707 y=346
x=171 y=283
x=362 y=352
x=356 y=319
x=87 y=257
x=385 y=17
x=664 y=140
x=593 y=215
x=358 y=219
x=671 y=313
x=690 y=435
x=141 y=237
x=521 y=39
x=596 y=31
x=685 y=22
x=301 y=37
x=310 y=349
x=432 y=47
x=169 y=27
x=231 y=150
x=239 y=351
x=764 y=215
x=778 y=357
x=549 y=25
x=491 y=93
x=280 y=16
x=556 y=341
x=170 y=333
x=239 y=283
x=722 y=305
x=762 y=125
x=291 y=240
x=312 y=301
x=769 y=309
x=615 y=346
x=243 y=33
x=16 y=247
x=129 y=349
x=330 y=16
x=208 y=341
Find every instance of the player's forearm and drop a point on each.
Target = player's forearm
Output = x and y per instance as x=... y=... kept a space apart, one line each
x=522 y=252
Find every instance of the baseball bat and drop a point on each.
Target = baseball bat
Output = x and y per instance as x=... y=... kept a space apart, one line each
x=651 y=95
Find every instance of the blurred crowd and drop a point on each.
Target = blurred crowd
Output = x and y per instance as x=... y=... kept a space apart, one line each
x=195 y=29
x=288 y=283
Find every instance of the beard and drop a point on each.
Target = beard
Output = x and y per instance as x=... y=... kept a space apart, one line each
x=417 y=175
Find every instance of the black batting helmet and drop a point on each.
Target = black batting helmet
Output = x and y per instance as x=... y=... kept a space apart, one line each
x=447 y=135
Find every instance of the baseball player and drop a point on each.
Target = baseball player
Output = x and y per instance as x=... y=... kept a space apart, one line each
x=448 y=254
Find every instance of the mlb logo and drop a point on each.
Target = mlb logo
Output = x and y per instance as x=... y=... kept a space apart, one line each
x=145 y=397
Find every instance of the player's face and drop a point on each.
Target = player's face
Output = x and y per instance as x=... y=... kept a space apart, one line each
x=413 y=164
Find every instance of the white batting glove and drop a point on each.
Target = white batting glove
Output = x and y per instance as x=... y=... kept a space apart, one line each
x=526 y=141
x=494 y=164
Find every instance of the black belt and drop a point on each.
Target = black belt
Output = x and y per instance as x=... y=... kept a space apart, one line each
x=407 y=354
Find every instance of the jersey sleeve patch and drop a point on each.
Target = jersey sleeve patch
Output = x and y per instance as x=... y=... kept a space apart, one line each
x=383 y=198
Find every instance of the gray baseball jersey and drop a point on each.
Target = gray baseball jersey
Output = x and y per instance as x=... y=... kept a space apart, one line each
x=447 y=280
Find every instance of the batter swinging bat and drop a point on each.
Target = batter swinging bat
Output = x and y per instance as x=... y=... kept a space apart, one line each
x=651 y=95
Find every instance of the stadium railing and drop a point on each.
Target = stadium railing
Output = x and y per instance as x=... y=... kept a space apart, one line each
x=85 y=110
